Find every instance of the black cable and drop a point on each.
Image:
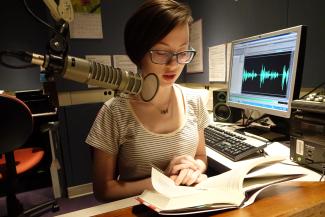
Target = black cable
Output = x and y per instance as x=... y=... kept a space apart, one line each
x=306 y=164
x=21 y=55
x=57 y=32
x=39 y=19
x=254 y=120
x=322 y=176
x=323 y=172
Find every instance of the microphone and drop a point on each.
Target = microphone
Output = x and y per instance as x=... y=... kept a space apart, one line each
x=93 y=73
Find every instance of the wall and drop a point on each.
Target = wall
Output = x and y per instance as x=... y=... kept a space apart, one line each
x=311 y=14
x=114 y=17
x=227 y=20
x=79 y=105
x=20 y=31
x=223 y=21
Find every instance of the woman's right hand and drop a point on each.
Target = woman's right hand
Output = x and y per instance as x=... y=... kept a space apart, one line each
x=179 y=163
x=189 y=177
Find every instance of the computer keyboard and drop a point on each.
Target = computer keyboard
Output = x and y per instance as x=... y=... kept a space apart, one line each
x=230 y=144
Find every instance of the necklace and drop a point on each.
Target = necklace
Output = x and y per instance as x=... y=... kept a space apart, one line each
x=164 y=111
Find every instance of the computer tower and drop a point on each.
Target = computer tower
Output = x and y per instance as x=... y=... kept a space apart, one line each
x=221 y=111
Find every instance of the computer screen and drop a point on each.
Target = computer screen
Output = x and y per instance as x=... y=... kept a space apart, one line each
x=266 y=70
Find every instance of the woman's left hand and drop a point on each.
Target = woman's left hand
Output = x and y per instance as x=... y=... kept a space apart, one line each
x=188 y=177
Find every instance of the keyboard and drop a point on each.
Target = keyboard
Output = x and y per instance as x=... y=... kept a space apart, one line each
x=232 y=145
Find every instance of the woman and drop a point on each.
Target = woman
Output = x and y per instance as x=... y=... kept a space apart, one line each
x=130 y=135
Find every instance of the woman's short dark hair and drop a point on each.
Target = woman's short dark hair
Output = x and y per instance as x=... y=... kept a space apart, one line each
x=151 y=23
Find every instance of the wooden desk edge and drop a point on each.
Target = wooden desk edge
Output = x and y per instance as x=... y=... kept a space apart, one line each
x=290 y=199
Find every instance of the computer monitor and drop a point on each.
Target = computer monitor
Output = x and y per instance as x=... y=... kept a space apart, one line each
x=266 y=71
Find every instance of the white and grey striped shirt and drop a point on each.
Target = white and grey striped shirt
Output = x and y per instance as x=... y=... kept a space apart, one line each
x=117 y=132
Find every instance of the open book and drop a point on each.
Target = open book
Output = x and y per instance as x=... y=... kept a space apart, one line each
x=236 y=188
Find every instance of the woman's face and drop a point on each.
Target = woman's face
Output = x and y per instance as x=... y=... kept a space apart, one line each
x=177 y=40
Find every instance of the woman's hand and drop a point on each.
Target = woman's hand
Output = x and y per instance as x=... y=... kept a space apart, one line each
x=185 y=170
x=179 y=163
x=188 y=177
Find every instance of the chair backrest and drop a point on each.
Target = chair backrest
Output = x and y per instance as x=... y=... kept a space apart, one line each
x=16 y=123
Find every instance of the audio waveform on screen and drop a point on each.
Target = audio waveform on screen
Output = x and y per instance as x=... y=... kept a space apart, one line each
x=267 y=75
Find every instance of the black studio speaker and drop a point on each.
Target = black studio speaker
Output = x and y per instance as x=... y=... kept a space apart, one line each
x=221 y=111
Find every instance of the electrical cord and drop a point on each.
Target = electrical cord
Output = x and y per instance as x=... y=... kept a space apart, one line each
x=57 y=32
x=26 y=56
x=39 y=19
x=306 y=164
x=254 y=120
x=21 y=55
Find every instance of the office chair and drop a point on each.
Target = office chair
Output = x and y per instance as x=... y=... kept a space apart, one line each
x=16 y=125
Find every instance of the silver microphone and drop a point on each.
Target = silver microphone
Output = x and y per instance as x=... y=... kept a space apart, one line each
x=93 y=73
x=101 y=75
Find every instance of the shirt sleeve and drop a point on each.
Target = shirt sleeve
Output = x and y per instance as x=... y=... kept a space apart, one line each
x=203 y=118
x=104 y=133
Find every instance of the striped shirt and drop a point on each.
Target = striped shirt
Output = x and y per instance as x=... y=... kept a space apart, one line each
x=117 y=131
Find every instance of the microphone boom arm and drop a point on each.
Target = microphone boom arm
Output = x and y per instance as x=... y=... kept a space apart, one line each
x=57 y=62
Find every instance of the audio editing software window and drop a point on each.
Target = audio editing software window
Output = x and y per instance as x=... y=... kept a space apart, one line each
x=261 y=73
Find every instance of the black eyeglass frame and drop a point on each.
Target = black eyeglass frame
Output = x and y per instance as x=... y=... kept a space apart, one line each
x=172 y=54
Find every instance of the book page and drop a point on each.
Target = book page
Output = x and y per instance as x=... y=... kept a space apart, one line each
x=233 y=180
x=164 y=185
x=203 y=200
x=228 y=181
x=217 y=192
x=271 y=174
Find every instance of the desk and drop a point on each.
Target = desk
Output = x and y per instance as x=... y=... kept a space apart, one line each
x=278 y=200
x=294 y=199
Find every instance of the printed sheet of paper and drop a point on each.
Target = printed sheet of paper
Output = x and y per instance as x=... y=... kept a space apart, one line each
x=103 y=59
x=87 y=21
x=124 y=62
x=217 y=63
x=196 y=42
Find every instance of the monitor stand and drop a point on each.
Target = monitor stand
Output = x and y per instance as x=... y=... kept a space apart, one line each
x=279 y=131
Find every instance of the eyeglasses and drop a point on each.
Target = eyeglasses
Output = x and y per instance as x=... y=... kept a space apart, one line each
x=164 y=57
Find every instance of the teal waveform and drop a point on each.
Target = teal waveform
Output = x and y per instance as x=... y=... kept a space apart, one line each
x=267 y=74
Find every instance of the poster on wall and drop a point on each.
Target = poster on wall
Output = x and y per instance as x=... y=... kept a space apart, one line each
x=217 y=63
x=196 y=42
x=124 y=62
x=87 y=23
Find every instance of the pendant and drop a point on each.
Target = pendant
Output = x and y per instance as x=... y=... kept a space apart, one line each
x=164 y=111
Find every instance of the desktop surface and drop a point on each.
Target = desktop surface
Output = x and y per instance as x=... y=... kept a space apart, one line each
x=306 y=194
x=303 y=196
x=287 y=199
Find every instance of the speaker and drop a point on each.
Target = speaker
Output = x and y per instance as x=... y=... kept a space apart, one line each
x=221 y=111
